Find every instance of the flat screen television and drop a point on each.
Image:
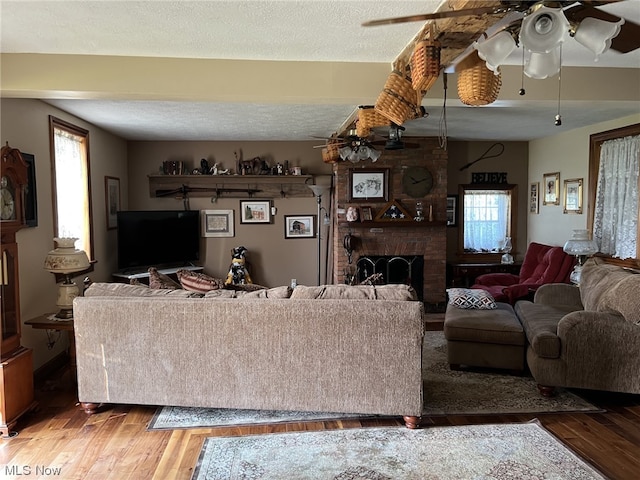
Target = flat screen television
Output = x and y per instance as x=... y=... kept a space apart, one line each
x=160 y=238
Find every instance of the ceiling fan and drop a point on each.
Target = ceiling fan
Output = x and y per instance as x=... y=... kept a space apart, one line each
x=541 y=27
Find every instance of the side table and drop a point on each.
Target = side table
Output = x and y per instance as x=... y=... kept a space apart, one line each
x=49 y=321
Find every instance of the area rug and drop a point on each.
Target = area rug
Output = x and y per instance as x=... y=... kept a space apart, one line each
x=190 y=417
x=473 y=392
x=446 y=392
x=508 y=451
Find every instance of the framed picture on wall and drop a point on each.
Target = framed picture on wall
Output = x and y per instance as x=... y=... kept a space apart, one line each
x=573 y=195
x=255 y=211
x=452 y=210
x=368 y=184
x=299 y=226
x=534 y=198
x=551 y=183
x=217 y=223
x=112 y=200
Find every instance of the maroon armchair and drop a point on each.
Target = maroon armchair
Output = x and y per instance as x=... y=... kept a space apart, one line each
x=542 y=264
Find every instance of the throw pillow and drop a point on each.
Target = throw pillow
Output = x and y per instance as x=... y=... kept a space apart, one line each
x=161 y=281
x=198 y=282
x=471 y=298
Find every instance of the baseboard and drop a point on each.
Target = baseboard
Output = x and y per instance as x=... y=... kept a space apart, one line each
x=48 y=369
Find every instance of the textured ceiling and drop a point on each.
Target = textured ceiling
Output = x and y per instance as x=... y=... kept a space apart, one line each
x=309 y=31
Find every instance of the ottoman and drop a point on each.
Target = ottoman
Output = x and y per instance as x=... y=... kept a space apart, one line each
x=485 y=338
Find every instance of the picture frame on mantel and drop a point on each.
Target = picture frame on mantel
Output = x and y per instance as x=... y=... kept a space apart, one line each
x=369 y=184
x=112 y=200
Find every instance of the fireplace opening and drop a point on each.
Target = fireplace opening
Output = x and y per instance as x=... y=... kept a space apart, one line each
x=394 y=269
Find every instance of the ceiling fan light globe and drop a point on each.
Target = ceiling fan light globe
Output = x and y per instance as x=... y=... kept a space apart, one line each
x=544 y=30
x=596 y=34
x=543 y=65
x=344 y=152
x=374 y=154
x=495 y=50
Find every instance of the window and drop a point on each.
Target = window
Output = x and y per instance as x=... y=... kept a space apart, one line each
x=487 y=218
x=614 y=200
x=71 y=183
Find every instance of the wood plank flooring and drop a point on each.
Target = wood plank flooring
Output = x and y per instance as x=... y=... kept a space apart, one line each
x=114 y=443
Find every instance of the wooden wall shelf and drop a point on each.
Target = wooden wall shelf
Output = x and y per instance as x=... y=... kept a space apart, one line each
x=392 y=224
x=231 y=186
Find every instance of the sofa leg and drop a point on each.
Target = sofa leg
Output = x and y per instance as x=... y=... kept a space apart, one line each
x=89 y=408
x=411 y=422
x=546 y=391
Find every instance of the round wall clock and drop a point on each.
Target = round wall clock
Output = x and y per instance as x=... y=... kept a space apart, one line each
x=417 y=181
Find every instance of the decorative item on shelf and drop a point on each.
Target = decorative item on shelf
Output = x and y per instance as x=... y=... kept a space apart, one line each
x=393 y=212
x=66 y=259
x=352 y=214
x=581 y=246
x=318 y=191
x=419 y=212
x=431 y=213
x=172 y=167
x=507 y=258
x=477 y=85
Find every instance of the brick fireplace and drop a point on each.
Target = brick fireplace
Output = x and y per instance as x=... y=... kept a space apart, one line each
x=396 y=238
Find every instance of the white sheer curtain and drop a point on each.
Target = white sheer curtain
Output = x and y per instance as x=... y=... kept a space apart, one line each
x=616 y=211
x=486 y=219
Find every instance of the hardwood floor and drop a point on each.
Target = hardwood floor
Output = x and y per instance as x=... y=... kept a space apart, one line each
x=114 y=443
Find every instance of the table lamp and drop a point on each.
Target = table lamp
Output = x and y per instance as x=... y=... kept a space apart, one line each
x=581 y=246
x=66 y=259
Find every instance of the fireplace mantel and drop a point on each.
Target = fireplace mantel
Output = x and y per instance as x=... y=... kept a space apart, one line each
x=393 y=224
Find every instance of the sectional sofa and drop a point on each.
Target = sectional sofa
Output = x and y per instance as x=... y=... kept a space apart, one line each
x=332 y=348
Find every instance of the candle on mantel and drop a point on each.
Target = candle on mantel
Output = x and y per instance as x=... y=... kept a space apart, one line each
x=431 y=213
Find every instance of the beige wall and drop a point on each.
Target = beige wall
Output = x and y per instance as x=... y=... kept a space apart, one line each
x=25 y=125
x=274 y=260
x=514 y=161
x=567 y=153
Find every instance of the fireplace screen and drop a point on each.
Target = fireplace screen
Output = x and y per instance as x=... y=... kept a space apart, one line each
x=394 y=269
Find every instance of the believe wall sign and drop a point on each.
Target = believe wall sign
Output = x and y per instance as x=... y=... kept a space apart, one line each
x=488 y=177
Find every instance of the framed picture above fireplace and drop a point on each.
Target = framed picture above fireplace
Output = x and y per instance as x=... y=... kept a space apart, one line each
x=368 y=184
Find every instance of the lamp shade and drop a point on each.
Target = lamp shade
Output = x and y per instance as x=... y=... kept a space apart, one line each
x=543 y=65
x=580 y=244
x=66 y=258
x=544 y=29
x=495 y=50
x=596 y=34
x=318 y=190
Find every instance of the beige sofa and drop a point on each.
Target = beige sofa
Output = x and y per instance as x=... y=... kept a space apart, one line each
x=329 y=348
x=586 y=337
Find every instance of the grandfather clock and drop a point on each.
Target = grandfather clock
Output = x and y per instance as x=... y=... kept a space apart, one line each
x=16 y=361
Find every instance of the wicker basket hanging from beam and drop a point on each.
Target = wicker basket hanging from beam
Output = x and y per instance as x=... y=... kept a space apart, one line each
x=369 y=118
x=425 y=63
x=478 y=85
x=331 y=153
x=398 y=101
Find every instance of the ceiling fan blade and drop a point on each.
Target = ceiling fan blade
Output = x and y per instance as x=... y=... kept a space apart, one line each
x=626 y=41
x=434 y=16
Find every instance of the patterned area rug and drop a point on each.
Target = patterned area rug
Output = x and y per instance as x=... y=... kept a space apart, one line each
x=447 y=392
x=502 y=452
x=472 y=392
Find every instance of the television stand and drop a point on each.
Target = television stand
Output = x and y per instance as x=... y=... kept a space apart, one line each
x=125 y=276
